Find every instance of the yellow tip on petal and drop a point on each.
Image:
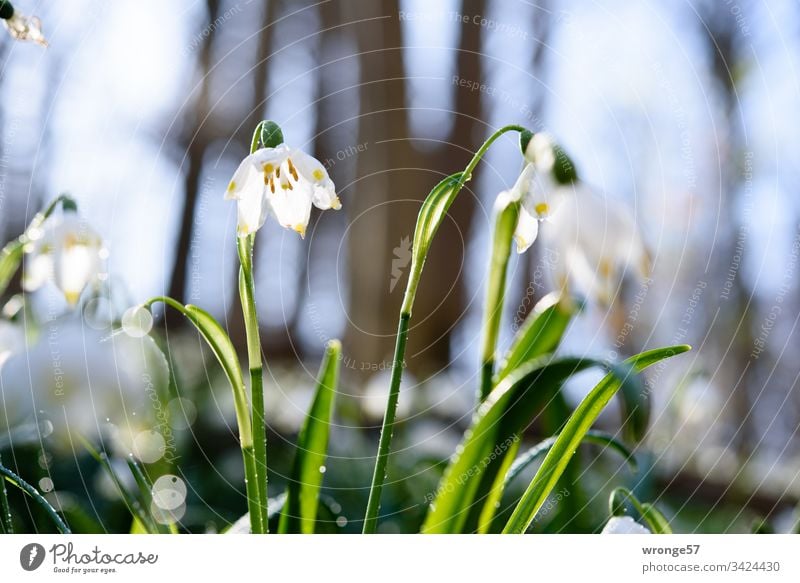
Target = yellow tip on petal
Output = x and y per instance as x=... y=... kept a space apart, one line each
x=301 y=229
x=336 y=204
x=542 y=209
x=72 y=298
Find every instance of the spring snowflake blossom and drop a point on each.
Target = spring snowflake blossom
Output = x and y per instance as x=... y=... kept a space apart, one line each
x=283 y=181
x=624 y=525
x=66 y=251
x=594 y=239
x=23 y=28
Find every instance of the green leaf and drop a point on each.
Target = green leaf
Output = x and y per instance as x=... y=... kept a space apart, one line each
x=507 y=411
x=506 y=216
x=600 y=438
x=302 y=494
x=635 y=412
x=540 y=334
x=223 y=349
x=10 y=258
x=514 y=467
x=15 y=480
x=135 y=506
x=576 y=427
x=655 y=520
x=430 y=218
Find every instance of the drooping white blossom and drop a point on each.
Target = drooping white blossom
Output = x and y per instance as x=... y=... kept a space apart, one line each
x=593 y=240
x=281 y=181
x=23 y=28
x=66 y=251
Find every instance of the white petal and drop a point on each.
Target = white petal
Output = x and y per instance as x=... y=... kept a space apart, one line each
x=249 y=176
x=596 y=239
x=292 y=206
x=324 y=195
x=37 y=270
x=252 y=211
x=540 y=152
x=624 y=525
x=12 y=339
x=76 y=257
x=527 y=230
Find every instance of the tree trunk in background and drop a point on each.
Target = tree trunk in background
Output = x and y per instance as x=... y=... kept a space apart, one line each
x=197 y=142
x=380 y=214
x=443 y=298
x=737 y=311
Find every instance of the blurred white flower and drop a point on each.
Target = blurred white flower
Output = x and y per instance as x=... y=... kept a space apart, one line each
x=66 y=251
x=12 y=339
x=22 y=28
x=86 y=383
x=284 y=181
x=624 y=525
x=593 y=240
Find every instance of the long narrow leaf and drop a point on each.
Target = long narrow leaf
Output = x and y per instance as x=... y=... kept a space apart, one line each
x=135 y=506
x=505 y=222
x=540 y=334
x=507 y=411
x=10 y=258
x=14 y=479
x=302 y=494
x=578 y=424
x=541 y=449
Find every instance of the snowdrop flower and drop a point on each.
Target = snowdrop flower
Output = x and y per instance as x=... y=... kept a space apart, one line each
x=283 y=181
x=85 y=383
x=66 y=251
x=12 y=339
x=546 y=168
x=624 y=525
x=20 y=27
x=593 y=240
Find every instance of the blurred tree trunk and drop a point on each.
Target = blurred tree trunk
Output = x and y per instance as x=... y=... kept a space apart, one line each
x=196 y=140
x=393 y=178
x=442 y=299
x=738 y=309
x=387 y=176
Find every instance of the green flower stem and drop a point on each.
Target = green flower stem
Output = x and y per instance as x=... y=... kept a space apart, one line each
x=5 y=508
x=387 y=428
x=505 y=223
x=385 y=443
x=254 y=356
x=226 y=355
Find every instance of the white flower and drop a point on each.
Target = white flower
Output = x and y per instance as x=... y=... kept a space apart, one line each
x=535 y=187
x=283 y=181
x=22 y=28
x=624 y=525
x=66 y=251
x=82 y=380
x=12 y=339
x=593 y=241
